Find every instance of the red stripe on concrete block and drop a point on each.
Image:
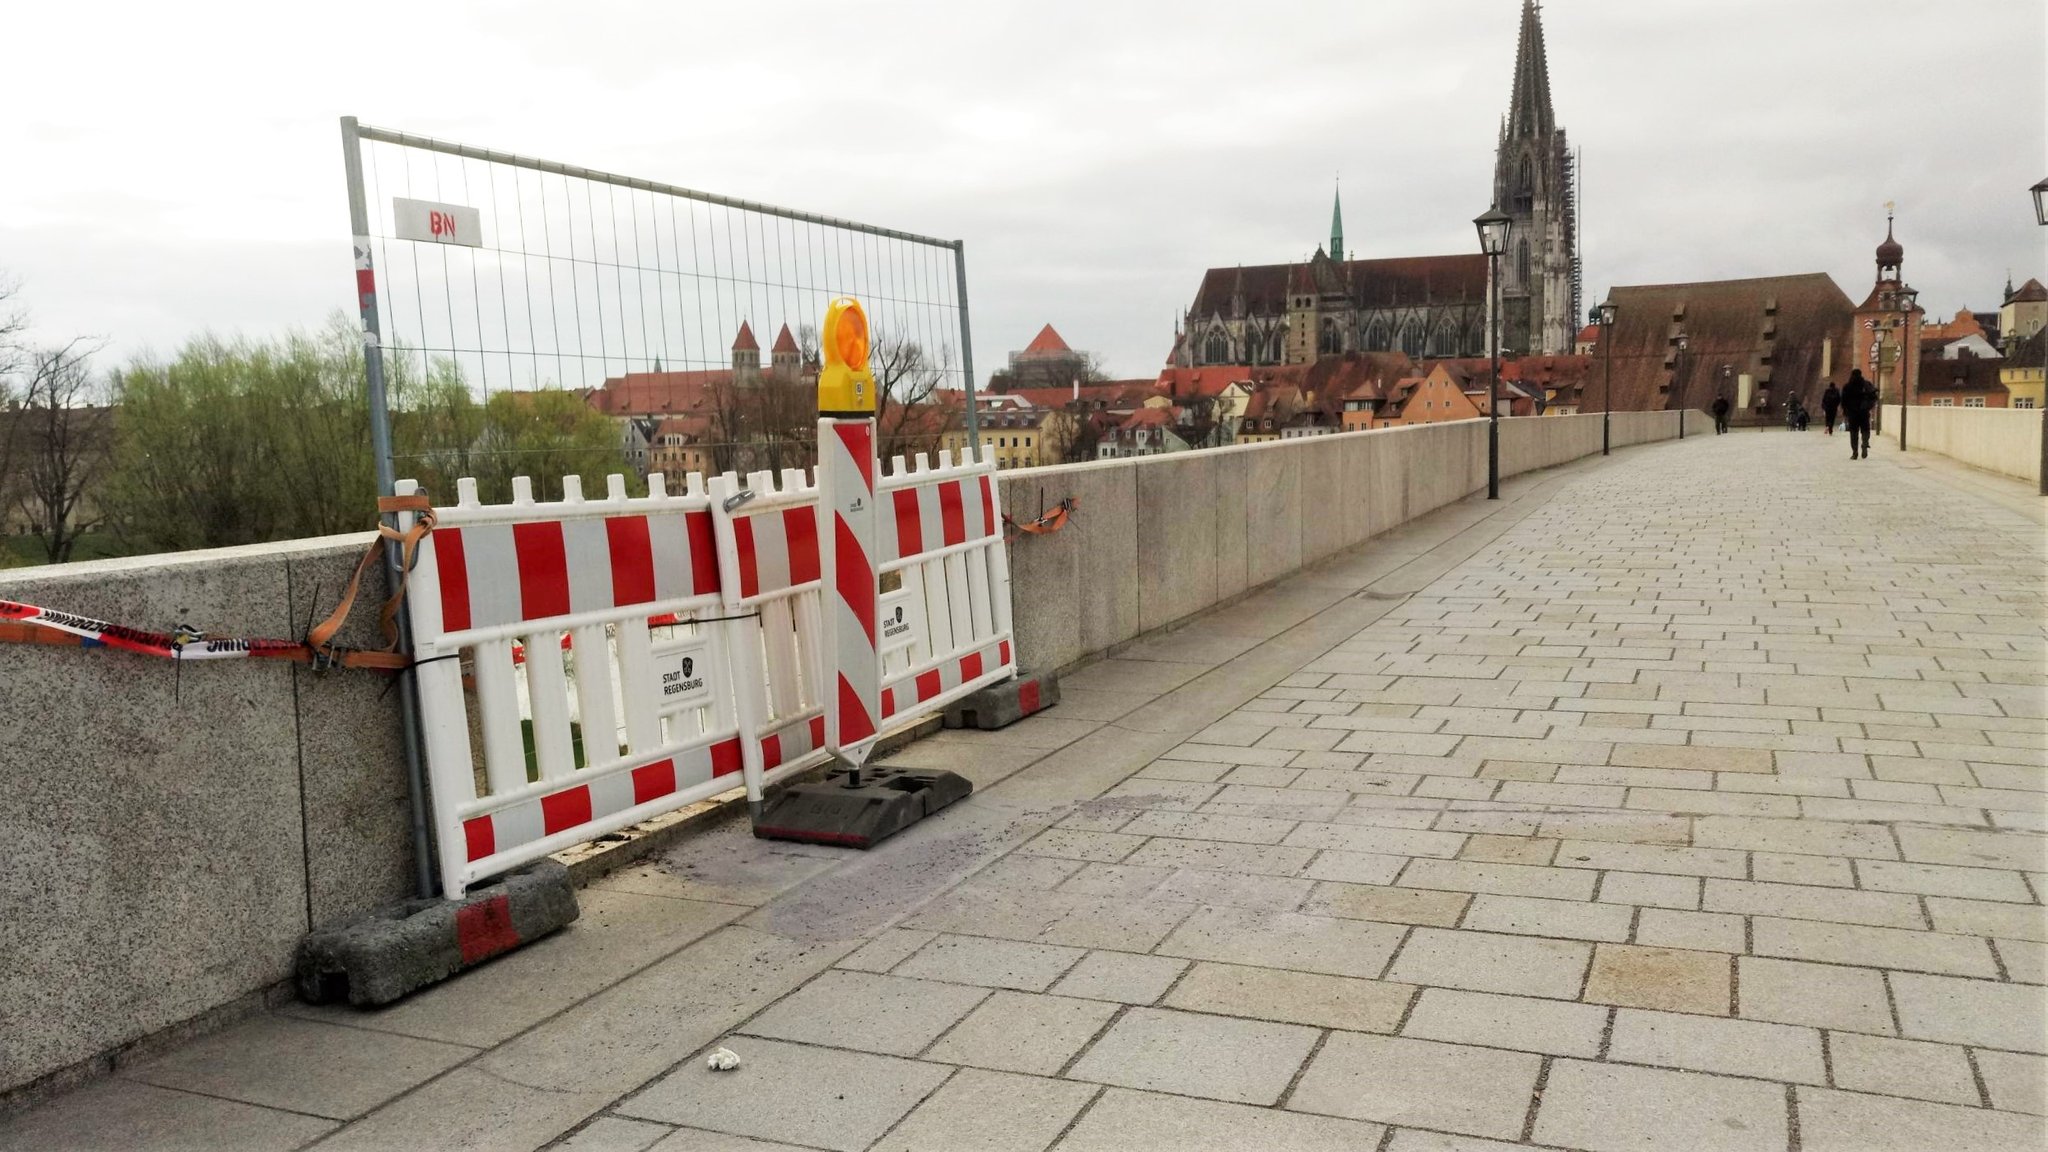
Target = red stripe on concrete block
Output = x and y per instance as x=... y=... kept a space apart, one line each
x=1027 y=697
x=484 y=929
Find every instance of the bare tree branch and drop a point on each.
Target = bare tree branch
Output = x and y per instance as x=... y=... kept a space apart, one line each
x=64 y=427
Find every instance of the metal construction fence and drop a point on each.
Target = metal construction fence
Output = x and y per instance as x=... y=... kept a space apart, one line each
x=508 y=301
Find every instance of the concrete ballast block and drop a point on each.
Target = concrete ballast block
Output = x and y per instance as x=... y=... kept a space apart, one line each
x=1001 y=705
x=407 y=946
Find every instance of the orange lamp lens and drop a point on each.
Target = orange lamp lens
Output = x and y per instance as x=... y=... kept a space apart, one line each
x=850 y=334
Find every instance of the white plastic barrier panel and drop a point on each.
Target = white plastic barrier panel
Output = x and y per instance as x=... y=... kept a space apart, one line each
x=769 y=564
x=578 y=718
x=946 y=631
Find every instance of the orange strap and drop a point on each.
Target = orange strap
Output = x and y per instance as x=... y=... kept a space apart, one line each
x=321 y=639
x=1049 y=523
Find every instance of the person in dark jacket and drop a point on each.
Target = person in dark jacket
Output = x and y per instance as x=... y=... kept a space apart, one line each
x=1830 y=403
x=1720 y=411
x=1859 y=397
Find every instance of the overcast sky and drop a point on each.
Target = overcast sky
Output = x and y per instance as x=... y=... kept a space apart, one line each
x=166 y=169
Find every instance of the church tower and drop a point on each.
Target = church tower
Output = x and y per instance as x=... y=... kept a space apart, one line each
x=1532 y=183
x=1337 y=227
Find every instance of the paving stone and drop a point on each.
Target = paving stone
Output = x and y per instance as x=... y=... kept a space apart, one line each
x=887 y=950
x=990 y=963
x=1193 y=1054
x=1416 y=1140
x=756 y=1099
x=1884 y=947
x=1943 y=880
x=867 y=1012
x=1974 y=849
x=1705 y=803
x=1823 y=995
x=1691 y=758
x=1834 y=764
x=1120 y=976
x=1613 y=1108
x=1070 y=844
x=1644 y=888
x=2024 y=960
x=1292 y=997
x=1571 y=919
x=1618 y=827
x=1210 y=826
x=1509 y=850
x=1391 y=905
x=1793 y=868
x=1420 y=1082
x=122 y=1114
x=1901 y=1068
x=1381 y=840
x=1716 y=1044
x=616 y=1134
x=1977 y=1012
x=1804 y=902
x=2017 y=1082
x=990 y=1112
x=1119 y=881
x=1126 y=1121
x=1701 y=931
x=1673 y=979
x=1831 y=1121
x=1484 y=962
x=1986 y=918
x=1216 y=855
x=301 y=1065
x=1235 y=889
x=1812 y=836
x=1355 y=867
x=1038 y=873
x=1017 y=1032
x=1556 y=1027
x=1654 y=858
x=1500 y=879
x=1284 y=940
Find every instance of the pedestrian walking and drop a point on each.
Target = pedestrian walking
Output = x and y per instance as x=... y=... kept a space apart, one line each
x=1858 y=398
x=1830 y=403
x=1720 y=414
x=1805 y=415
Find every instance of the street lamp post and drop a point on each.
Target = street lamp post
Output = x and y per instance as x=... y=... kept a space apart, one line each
x=1678 y=383
x=1904 y=299
x=2041 y=217
x=1494 y=226
x=1603 y=315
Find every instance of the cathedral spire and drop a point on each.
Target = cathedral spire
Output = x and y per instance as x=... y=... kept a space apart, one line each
x=1529 y=114
x=1337 y=225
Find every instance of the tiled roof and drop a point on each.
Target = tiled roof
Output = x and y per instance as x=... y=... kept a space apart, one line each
x=784 y=342
x=657 y=393
x=1047 y=343
x=745 y=341
x=1725 y=322
x=2030 y=293
x=1964 y=375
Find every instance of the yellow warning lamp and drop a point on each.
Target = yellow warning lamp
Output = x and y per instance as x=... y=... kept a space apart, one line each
x=846 y=386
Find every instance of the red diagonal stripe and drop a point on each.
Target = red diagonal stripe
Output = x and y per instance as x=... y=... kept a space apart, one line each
x=853 y=578
x=855 y=724
x=543 y=569
x=632 y=559
x=858 y=437
x=750 y=566
x=988 y=506
x=452 y=567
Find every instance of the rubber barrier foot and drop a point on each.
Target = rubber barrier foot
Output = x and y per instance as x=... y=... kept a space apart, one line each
x=835 y=811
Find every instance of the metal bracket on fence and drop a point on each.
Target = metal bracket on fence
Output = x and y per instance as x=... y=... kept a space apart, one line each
x=736 y=499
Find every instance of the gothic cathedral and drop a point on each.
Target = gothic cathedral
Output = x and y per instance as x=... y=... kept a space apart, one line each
x=1423 y=306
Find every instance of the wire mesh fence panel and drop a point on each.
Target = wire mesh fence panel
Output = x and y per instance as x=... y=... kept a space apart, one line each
x=540 y=319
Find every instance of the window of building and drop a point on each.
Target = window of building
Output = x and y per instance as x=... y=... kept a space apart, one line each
x=1973 y=401
x=1943 y=402
x=2023 y=401
x=1522 y=262
x=1217 y=350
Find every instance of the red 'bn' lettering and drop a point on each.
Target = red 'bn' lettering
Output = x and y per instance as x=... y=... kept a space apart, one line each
x=441 y=223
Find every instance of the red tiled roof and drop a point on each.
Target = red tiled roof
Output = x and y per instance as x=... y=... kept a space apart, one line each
x=1047 y=343
x=745 y=342
x=1589 y=334
x=2030 y=293
x=784 y=342
x=1206 y=381
x=656 y=393
x=1149 y=418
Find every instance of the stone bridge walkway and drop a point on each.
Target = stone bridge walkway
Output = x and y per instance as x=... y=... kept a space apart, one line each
x=1690 y=800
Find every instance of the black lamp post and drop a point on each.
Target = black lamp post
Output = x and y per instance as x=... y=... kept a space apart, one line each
x=1494 y=226
x=1603 y=315
x=2041 y=217
x=1904 y=300
x=1678 y=383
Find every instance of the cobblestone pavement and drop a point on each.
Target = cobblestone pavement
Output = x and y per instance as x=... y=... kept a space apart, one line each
x=1693 y=801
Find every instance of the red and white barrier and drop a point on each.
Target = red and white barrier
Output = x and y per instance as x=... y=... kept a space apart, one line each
x=942 y=531
x=618 y=724
x=846 y=478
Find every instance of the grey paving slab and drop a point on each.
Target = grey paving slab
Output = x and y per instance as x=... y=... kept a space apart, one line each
x=1120 y=976
x=1127 y=1121
x=990 y=1112
x=1615 y=1108
x=613 y=1134
x=1485 y=962
x=1831 y=1121
x=1293 y=997
x=1284 y=940
x=1018 y=1032
x=1193 y=1054
x=990 y=963
x=302 y=1065
x=118 y=1115
x=1556 y=1027
x=794 y=1093
x=1478 y=1091
x=872 y=1013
